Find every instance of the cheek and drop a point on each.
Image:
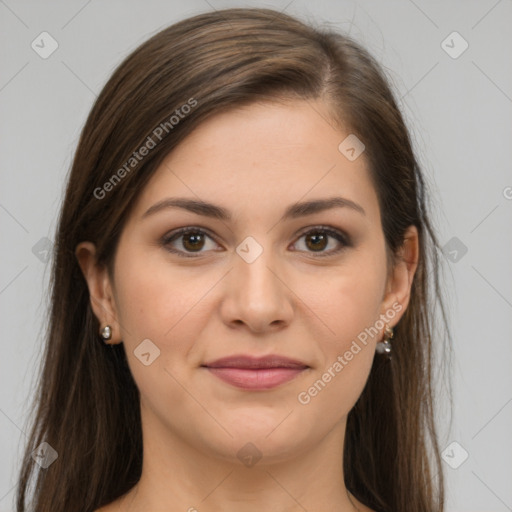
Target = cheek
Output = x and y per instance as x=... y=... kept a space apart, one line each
x=150 y=293
x=159 y=303
x=156 y=303
x=350 y=306
x=334 y=390
x=350 y=299
x=346 y=361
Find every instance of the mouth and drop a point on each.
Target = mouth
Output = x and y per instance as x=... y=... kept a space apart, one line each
x=252 y=373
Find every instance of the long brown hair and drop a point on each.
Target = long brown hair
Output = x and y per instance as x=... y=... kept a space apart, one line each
x=87 y=403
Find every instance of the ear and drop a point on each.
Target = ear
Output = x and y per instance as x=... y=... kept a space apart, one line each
x=100 y=288
x=398 y=288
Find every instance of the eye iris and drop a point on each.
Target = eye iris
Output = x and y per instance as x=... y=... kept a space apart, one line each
x=197 y=239
x=317 y=237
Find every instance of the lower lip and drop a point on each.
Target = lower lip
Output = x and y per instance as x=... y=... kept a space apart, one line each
x=263 y=378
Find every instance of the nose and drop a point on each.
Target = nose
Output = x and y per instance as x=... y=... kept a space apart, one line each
x=257 y=295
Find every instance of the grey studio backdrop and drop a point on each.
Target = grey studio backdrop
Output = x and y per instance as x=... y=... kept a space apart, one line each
x=450 y=65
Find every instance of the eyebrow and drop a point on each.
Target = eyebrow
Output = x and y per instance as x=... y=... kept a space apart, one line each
x=293 y=211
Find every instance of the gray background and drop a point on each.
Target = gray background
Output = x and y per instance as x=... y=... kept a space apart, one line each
x=459 y=111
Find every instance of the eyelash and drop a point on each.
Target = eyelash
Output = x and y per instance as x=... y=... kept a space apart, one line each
x=343 y=238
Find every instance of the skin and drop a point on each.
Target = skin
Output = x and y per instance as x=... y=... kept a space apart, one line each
x=253 y=161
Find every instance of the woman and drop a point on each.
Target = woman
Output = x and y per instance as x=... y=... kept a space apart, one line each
x=241 y=316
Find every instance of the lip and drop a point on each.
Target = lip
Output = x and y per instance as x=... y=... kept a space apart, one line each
x=256 y=373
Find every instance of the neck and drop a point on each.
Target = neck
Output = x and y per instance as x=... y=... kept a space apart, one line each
x=179 y=477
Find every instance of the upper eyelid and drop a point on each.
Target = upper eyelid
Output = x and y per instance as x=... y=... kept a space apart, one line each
x=193 y=228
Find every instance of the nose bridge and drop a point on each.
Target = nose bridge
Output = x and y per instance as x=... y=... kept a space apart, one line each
x=254 y=265
x=256 y=296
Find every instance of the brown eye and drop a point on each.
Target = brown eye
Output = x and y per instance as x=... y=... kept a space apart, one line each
x=193 y=241
x=317 y=240
x=187 y=241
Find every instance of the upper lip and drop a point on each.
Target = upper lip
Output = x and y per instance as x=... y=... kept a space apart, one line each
x=246 y=361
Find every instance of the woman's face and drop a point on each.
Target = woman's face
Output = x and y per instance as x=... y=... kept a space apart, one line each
x=256 y=282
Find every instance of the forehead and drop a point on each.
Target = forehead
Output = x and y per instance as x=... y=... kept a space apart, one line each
x=263 y=157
